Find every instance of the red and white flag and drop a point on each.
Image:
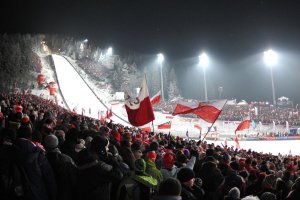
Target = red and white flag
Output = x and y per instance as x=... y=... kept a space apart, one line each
x=237 y=144
x=139 y=109
x=208 y=111
x=197 y=127
x=243 y=125
x=156 y=98
x=166 y=125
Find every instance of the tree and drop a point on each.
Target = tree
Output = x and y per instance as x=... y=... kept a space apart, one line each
x=173 y=90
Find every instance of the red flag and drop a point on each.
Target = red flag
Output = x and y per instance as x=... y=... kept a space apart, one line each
x=237 y=144
x=166 y=125
x=109 y=114
x=197 y=127
x=208 y=111
x=139 y=110
x=146 y=129
x=243 y=125
x=156 y=98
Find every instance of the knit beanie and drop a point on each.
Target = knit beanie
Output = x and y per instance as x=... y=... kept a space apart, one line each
x=51 y=141
x=169 y=187
x=168 y=160
x=234 y=193
x=140 y=166
x=185 y=174
x=268 y=196
x=186 y=152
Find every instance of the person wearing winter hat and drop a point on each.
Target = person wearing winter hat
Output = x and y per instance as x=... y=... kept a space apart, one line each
x=233 y=179
x=169 y=169
x=186 y=176
x=151 y=168
x=99 y=145
x=268 y=196
x=95 y=176
x=139 y=185
x=125 y=150
x=154 y=146
x=169 y=189
x=51 y=142
x=65 y=176
x=137 y=150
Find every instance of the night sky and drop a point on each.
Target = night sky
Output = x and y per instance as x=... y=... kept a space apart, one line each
x=233 y=33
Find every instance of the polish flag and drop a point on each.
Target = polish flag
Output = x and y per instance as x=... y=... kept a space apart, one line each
x=243 y=125
x=197 y=127
x=208 y=111
x=156 y=98
x=237 y=144
x=166 y=125
x=139 y=109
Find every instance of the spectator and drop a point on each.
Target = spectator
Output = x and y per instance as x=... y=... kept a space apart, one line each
x=169 y=189
x=189 y=191
x=64 y=168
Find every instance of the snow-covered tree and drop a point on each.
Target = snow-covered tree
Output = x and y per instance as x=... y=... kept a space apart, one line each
x=173 y=90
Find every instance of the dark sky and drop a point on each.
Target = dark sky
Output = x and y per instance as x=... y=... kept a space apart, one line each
x=233 y=33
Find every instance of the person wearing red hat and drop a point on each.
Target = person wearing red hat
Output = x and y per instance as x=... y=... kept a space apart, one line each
x=151 y=167
x=168 y=167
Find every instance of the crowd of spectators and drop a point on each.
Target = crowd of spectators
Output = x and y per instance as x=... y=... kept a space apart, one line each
x=64 y=155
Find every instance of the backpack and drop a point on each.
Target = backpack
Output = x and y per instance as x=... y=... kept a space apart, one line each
x=14 y=184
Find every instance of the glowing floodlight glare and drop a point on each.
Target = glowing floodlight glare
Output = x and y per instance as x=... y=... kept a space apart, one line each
x=270 y=58
x=109 y=51
x=203 y=60
x=160 y=57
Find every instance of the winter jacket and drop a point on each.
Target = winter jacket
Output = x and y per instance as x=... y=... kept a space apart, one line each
x=166 y=173
x=127 y=156
x=153 y=171
x=193 y=193
x=65 y=172
x=38 y=169
x=95 y=178
x=137 y=187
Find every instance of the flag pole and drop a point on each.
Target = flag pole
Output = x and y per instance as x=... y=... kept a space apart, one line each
x=213 y=123
x=153 y=126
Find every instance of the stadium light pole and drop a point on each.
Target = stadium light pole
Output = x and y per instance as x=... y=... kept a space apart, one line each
x=270 y=59
x=203 y=62
x=160 y=58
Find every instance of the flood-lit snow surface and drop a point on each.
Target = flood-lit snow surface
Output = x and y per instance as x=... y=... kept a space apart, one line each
x=78 y=95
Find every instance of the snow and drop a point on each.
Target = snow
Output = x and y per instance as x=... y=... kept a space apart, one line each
x=79 y=96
